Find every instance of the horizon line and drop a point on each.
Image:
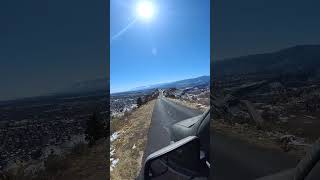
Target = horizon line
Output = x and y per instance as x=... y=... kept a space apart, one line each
x=171 y=81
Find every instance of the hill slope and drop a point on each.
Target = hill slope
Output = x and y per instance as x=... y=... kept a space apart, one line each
x=303 y=58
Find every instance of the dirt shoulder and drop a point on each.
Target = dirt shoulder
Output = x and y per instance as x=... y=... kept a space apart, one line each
x=188 y=104
x=128 y=142
x=91 y=165
x=262 y=138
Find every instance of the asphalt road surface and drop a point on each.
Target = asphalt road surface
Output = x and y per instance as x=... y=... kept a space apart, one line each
x=236 y=159
x=165 y=114
x=231 y=158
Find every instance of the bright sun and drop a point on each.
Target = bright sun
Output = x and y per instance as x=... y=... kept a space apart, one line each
x=145 y=10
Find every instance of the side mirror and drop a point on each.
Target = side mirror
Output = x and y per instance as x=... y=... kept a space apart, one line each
x=181 y=159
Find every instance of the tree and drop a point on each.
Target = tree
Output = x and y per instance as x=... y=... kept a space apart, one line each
x=139 y=102
x=94 y=130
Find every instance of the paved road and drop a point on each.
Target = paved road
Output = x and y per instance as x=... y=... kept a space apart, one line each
x=236 y=159
x=232 y=158
x=165 y=114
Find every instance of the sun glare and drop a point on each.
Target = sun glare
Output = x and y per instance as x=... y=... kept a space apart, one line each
x=145 y=10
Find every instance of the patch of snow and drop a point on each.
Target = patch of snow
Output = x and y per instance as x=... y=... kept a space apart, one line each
x=311 y=117
x=112 y=152
x=113 y=163
x=293 y=140
x=114 y=136
x=283 y=119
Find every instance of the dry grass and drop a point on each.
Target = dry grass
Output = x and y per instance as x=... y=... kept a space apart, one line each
x=82 y=163
x=248 y=133
x=189 y=104
x=134 y=130
x=244 y=132
x=90 y=165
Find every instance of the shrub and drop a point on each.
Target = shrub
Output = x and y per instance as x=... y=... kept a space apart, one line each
x=139 y=102
x=95 y=129
x=79 y=149
x=54 y=164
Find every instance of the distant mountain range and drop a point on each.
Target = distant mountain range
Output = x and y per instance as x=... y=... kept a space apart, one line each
x=303 y=58
x=95 y=86
x=103 y=85
x=198 y=81
x=100 y=84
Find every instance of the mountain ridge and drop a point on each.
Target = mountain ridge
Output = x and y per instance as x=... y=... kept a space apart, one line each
x=201 y=80
x=300 y=58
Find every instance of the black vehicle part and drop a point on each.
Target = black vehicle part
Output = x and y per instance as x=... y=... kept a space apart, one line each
x=174 y=156
x=308 y=162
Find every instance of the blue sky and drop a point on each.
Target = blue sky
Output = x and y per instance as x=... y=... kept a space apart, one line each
x=46 y=46
x=173 y=45
x=252 y=27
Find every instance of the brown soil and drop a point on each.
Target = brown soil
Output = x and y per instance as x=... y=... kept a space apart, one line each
x=262 y=138
x=130 y=144
x=90 y=166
